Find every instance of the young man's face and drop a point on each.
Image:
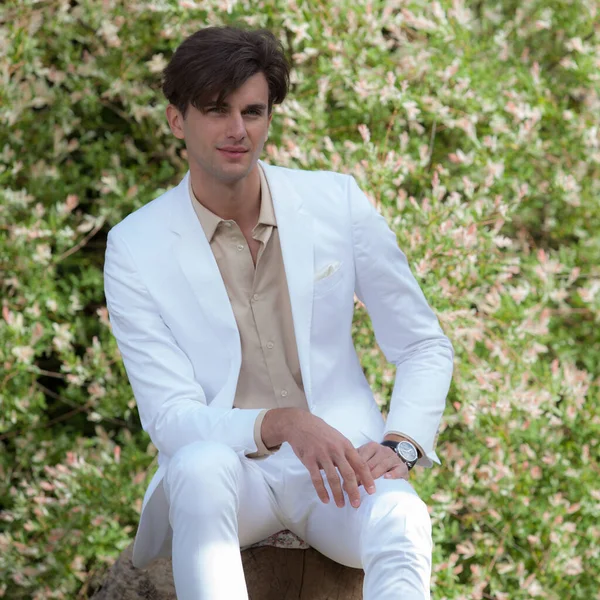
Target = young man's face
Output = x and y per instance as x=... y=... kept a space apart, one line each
x=226 y=143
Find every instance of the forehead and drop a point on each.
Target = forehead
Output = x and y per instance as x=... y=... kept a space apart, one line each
x=254 y=90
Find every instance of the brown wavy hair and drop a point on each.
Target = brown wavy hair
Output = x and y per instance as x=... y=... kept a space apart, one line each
x=218 y=60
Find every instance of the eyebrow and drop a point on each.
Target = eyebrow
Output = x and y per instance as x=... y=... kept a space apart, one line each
x=258 y=106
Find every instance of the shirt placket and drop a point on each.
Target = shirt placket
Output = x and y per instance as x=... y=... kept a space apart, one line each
x=242 y=263
x=265 y=326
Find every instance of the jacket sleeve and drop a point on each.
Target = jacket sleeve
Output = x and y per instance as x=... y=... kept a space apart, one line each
x=172 y=405
x=405 y=327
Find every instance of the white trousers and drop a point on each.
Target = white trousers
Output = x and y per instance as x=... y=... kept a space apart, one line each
x=221 y=501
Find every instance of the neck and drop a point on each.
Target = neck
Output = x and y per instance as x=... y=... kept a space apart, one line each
x=238 y=201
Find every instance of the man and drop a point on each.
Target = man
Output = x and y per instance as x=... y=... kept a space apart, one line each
x=231 y=297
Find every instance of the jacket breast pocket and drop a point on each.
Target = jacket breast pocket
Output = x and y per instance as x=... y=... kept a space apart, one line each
x=326 y=280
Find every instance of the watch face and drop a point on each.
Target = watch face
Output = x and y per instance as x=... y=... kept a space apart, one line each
x=407 y=451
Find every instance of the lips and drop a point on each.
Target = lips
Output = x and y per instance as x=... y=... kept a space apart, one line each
x=232 y=154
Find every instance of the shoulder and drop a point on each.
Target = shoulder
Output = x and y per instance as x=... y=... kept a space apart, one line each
x=305 y=177
x=323 y=193
x=149 y=219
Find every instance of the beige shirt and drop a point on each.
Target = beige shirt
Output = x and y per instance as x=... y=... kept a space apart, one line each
x=270 y=374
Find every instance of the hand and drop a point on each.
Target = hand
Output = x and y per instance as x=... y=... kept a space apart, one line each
x=320 y=446
x=382 y=460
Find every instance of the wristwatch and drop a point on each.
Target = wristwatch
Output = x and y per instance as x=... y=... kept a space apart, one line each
x=405 y=450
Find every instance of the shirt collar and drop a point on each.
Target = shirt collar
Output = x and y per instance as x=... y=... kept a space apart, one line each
x=267 y=213
x=210 y=221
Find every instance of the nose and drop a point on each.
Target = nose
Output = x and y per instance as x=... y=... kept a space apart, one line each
x=236 y=128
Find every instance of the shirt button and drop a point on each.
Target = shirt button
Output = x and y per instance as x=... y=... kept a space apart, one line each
x=270 y=345
x=284 y=393
x=255 y=297
x=227 y=224
x=240 y=247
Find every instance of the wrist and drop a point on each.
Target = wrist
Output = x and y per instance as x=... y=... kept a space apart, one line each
x=396 y=437
x=276 y=425
x=405 y=450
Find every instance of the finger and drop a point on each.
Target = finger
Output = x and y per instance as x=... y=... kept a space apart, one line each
x=366 y=455
x=398 y=472
x=350 y=480
x=383 y=455
x=362 y=471
x=369 y=450
x=317 y=480
x=364 y=452
x=382 y=463
x=335 y=483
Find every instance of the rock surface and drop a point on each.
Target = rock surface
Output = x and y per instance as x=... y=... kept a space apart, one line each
x=271 y=574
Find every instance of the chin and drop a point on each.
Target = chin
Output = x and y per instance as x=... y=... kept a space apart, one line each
x=233 y=173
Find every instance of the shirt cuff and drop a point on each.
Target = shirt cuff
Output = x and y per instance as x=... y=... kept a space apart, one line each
x=417 y=445
x=262 y=450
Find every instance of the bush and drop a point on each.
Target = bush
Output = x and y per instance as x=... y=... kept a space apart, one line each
x=472 y=126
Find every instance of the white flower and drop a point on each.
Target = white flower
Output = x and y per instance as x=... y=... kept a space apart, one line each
x=75 y=304
x=66 y=233
x=412 y=110
x=573 y=566
x=17 y=198
x=588 y=294
x=63 y=338
x=577 y=44
x=518 y=294
x=109 y=32
x=95 y=417
x=43 y=254
x=15 y=322
x=89 y=222
x=157 y=63
x=558 y=295
x=24 y=354
x=502 y=241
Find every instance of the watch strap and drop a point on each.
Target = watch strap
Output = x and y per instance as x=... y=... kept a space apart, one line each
x=394 y=446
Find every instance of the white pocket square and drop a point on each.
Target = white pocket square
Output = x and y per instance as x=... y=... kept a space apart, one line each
x=327 y=271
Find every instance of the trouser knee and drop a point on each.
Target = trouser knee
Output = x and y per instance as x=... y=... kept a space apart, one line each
x=203 y=477
x=397 y=516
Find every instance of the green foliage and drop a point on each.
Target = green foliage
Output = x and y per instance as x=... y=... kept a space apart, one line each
x=473 y=126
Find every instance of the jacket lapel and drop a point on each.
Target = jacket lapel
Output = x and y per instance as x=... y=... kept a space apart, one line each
x=197 y=262
x=297 y=247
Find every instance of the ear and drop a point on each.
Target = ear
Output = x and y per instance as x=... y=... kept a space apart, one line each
x=175 y=120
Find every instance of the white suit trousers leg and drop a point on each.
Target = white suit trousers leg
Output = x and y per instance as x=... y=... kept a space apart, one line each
x=388 y=535
x=204 y=484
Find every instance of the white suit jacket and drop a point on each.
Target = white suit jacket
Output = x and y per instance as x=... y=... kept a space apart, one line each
x=178 y=337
